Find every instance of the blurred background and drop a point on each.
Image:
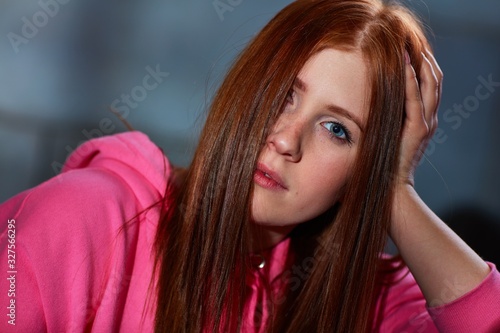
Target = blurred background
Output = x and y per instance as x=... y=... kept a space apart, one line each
x=64 y=62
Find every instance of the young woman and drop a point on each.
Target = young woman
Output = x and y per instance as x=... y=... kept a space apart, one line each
x=303 y=168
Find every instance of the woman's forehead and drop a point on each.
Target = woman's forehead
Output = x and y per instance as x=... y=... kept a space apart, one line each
x=338 y=77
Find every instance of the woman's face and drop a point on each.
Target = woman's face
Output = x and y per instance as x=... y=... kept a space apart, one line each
x=309 y=154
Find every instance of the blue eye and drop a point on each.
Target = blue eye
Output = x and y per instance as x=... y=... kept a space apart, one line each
x=337 y=130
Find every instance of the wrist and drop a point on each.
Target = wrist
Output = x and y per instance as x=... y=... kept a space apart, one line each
x=403 y=203
x=403 y=190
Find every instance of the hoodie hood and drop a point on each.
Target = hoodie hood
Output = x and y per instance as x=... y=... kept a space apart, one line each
x=132 y=156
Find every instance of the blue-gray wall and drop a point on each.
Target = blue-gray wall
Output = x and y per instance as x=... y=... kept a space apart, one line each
x=62 y=65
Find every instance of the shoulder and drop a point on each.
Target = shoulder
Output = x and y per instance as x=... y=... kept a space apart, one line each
x=72 y=231
x=104 y=183
x=131 y=156
x=109 y=178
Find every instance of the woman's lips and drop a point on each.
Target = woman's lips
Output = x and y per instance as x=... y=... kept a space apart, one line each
x=267 y=178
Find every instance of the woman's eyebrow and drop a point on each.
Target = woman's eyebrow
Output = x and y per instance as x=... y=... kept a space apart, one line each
x=346 y=114
x=302 y=86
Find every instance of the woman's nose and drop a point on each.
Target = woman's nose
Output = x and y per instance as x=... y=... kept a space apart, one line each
x=286 y=138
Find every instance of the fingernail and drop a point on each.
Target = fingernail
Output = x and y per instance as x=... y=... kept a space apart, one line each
x=407 y=57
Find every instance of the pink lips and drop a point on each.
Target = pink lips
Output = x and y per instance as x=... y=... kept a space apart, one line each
x=267 y=178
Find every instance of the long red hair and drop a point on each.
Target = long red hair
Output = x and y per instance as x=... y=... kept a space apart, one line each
x=202 y=241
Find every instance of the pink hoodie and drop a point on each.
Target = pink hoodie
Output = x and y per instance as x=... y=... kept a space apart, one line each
x=75 y=266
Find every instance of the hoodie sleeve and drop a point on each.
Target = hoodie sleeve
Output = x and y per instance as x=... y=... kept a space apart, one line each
x=401 y=307
x=476 y=311
x=72 y=251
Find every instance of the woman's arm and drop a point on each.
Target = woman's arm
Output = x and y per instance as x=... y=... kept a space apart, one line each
x=444 y=266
